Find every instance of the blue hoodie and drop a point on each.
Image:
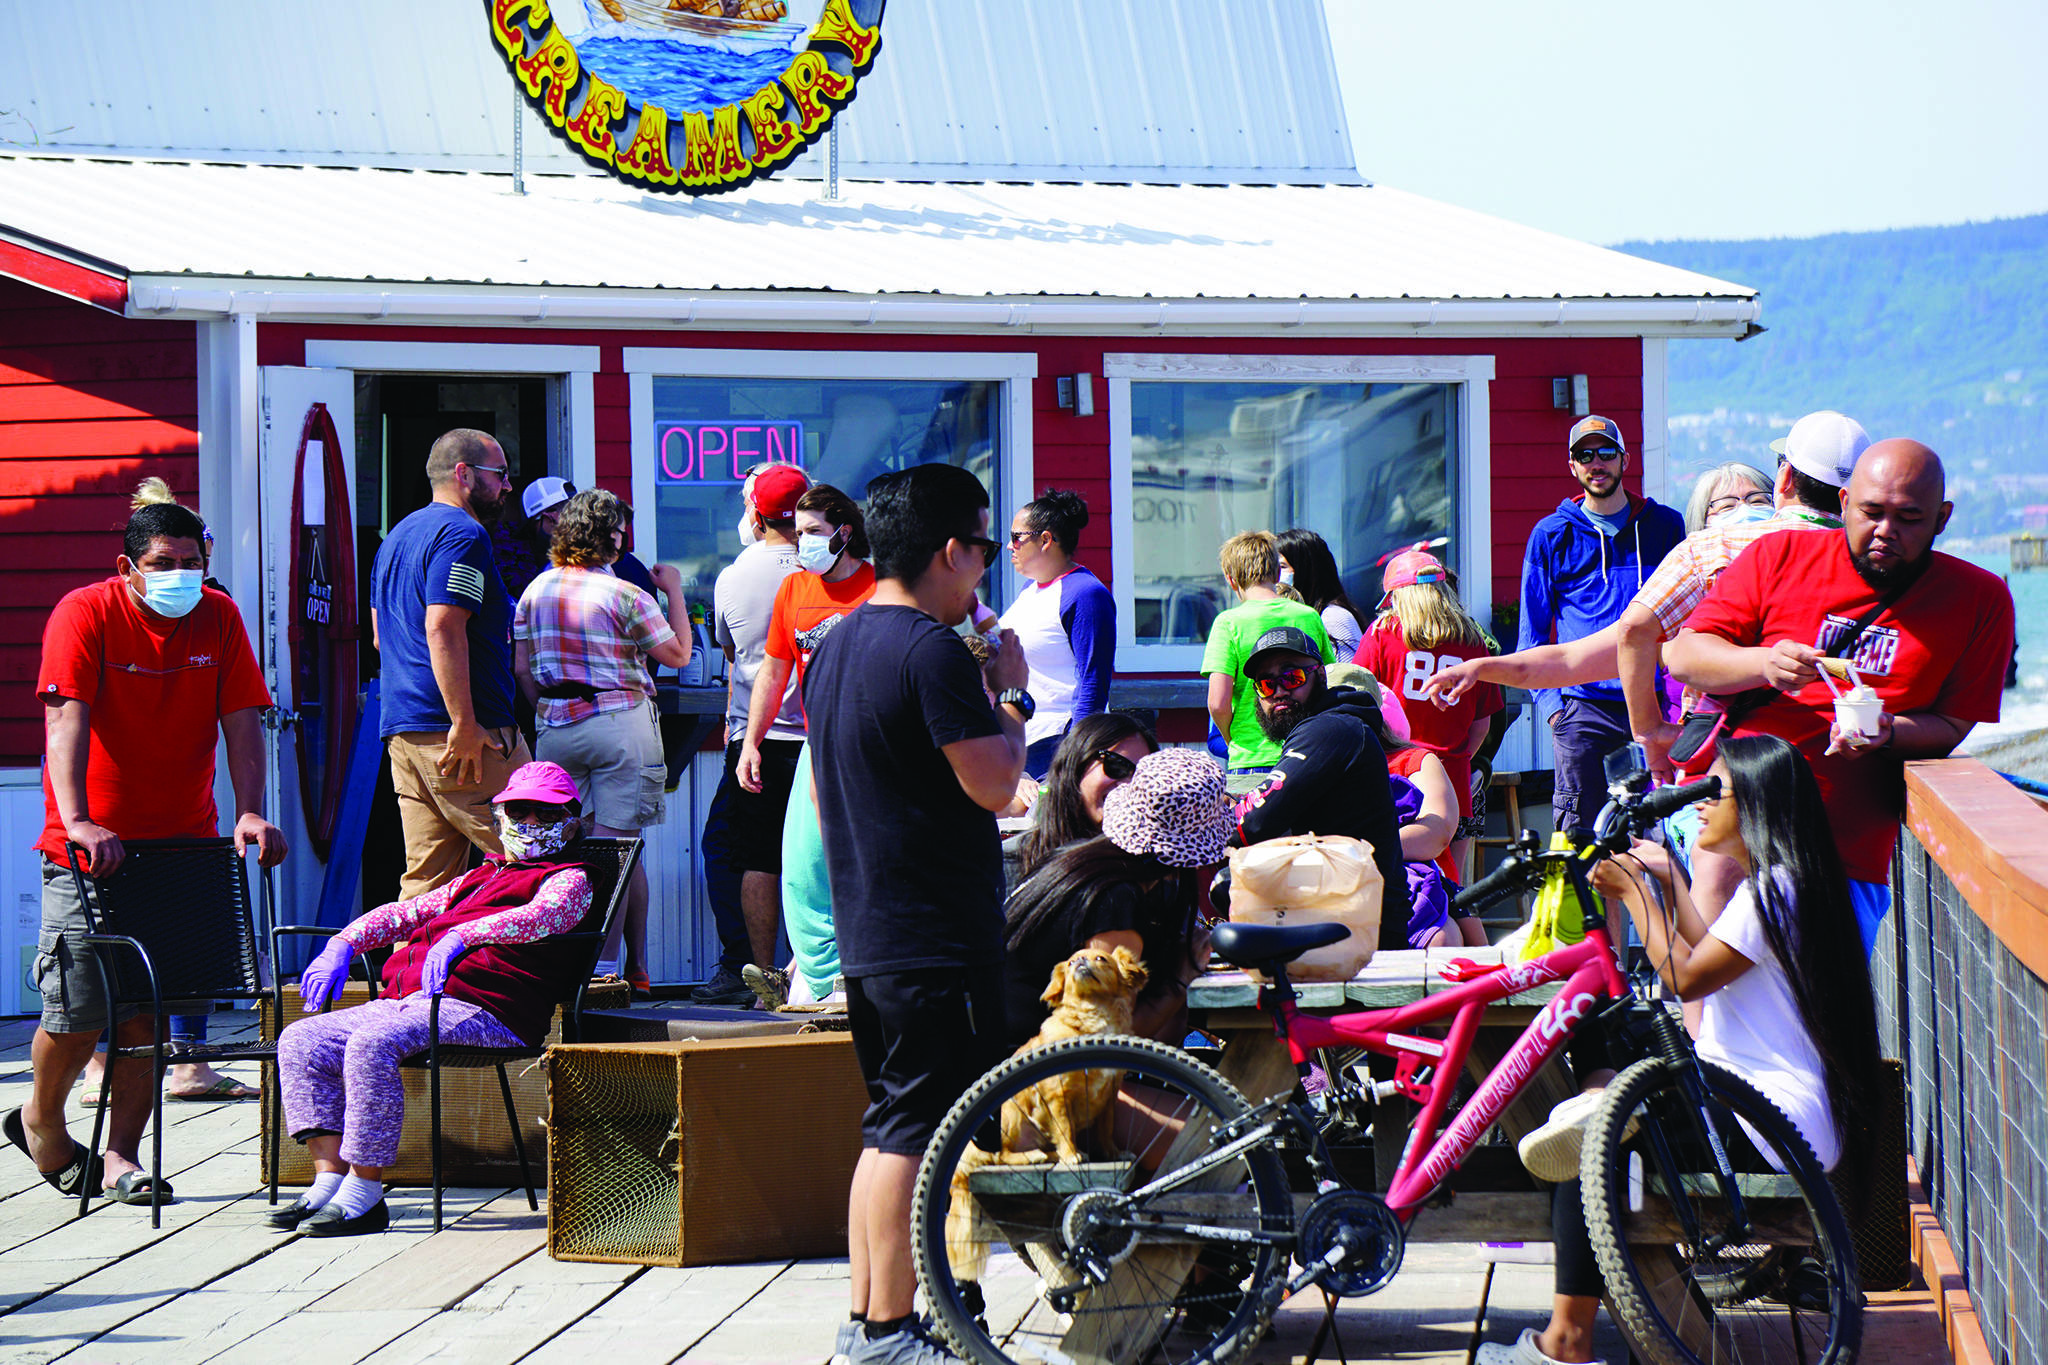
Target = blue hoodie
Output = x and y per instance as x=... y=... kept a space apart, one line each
x=1576 y=581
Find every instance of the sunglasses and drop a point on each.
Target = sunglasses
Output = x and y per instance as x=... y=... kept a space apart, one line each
x=987 y=547
x=1115 y=766
x=1019 y=537
x=496 y=471
x=1286 y=680
x=1596 y=455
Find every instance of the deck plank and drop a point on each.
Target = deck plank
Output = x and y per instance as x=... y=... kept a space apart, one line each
x=441 y=1271
x=794 y=1321
x=341 y=1338
x=515 y=1311
x=660 y=1313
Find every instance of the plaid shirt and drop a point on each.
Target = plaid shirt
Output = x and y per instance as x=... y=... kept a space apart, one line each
x=1682 y=579
x=587 y=626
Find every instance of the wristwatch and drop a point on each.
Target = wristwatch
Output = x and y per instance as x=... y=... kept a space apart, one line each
x=1019 y=698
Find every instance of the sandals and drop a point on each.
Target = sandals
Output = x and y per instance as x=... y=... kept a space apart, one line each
x=225 y=1088
x=135 y=1187
x=72 y=1176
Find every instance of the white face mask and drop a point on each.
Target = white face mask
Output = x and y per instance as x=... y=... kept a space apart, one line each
x=1287 y=577
x=817 y=554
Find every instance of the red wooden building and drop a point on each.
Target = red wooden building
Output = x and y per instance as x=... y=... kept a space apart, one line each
x=1201 y=335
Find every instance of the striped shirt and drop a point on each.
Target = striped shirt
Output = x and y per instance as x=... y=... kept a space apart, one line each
x=1682 y=579
x=587 y=626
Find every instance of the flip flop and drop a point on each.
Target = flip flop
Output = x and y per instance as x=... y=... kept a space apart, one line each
x=67 y=1179
x=226 y=1088
x=133 y=1187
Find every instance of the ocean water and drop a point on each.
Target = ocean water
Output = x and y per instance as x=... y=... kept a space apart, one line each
x=678 y=75
x=2025 y=708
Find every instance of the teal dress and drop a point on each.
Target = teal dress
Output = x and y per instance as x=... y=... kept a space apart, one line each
x=806 y=891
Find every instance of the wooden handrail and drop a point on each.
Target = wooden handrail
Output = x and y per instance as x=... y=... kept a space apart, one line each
x=1992 y=841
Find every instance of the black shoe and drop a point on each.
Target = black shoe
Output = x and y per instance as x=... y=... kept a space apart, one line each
x=288 y=1218
x=726 y=987
x=328 y=1222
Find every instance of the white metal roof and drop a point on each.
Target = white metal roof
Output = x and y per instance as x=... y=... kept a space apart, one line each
x=1214 y=91
x=366 y=234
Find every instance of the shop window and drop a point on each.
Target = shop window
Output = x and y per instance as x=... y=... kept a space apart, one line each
x=1371 y=467
x=708 y=431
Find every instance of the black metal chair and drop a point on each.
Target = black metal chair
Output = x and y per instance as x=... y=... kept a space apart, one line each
x=173 y=924
x=609 y=863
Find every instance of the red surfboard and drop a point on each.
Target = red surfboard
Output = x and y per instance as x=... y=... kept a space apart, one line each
x=322 y=633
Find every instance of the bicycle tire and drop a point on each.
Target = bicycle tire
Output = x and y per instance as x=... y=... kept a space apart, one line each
x=1086 y=1209
x=1677 y=1308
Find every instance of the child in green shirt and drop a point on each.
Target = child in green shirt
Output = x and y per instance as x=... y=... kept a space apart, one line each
x=1251 y=565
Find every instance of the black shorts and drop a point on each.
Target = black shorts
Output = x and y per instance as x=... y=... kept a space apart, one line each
x=922 y=1037
x=754 y=819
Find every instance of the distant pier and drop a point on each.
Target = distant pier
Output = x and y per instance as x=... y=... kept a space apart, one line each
x=2029 y=551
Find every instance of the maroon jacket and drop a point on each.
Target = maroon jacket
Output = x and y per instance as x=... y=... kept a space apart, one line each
x=519 y=983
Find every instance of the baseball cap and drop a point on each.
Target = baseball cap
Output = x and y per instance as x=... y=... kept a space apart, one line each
x=543 y=493
x=1407 y=569
x=1292 y=638
x=1587 y=428
x=547 y=783
x=1824 y=445
x=776 y=490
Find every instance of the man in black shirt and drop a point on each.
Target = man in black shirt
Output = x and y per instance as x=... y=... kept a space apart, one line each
x=1332 y=773
x=911 y=762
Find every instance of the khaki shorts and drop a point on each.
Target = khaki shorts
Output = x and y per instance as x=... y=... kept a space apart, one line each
x=616 y=759
x=441 y=819
x=67 y=967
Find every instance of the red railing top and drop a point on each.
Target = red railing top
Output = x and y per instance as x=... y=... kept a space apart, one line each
x=1992 y=841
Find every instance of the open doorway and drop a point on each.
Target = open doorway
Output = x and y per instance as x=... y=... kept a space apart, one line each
x=398 y=418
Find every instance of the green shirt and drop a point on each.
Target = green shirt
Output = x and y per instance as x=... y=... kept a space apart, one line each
x=1231 y=637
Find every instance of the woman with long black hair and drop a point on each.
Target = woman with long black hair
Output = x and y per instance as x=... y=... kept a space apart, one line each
x=1096 y=756
x=1307 y=564
x=1787 y=1001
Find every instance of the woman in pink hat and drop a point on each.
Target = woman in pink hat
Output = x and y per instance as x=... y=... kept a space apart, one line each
x=339 y=1072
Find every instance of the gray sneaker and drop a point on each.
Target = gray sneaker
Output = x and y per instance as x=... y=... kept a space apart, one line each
x=724 y=988
x=913 y=1345
x=770 y=985
x=843 y=1344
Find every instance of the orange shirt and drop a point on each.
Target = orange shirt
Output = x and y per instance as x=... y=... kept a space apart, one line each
x=806 y=609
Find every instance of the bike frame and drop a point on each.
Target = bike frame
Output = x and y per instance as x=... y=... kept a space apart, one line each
x=1591 y=978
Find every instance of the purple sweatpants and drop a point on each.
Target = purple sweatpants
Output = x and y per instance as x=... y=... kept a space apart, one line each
x=340 y=1070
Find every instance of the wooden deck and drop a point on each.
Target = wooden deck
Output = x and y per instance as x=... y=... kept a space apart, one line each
x=216 y=1284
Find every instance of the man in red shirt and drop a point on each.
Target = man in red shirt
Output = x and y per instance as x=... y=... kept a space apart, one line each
x=140 y=674
x=1937 y=634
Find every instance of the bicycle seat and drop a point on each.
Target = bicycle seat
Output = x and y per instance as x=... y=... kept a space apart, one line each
x=1262 y=945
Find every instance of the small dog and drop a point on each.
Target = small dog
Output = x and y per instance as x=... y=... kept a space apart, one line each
x=1091 y=992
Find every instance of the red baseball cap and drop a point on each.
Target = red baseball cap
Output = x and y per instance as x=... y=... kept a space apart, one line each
x=1407 y=569
x=776 y=490
x=547 y=783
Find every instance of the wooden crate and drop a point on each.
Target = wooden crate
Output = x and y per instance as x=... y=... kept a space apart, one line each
x=711 y=1152
x=476 y=1142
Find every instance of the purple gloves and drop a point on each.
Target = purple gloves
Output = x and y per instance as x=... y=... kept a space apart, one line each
x=322 y=979
x=434 y=971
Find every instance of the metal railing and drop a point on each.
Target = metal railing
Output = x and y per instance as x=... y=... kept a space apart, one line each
x=1959 y=972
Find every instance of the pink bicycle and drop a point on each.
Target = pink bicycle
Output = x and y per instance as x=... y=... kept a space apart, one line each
x=1172 y=1230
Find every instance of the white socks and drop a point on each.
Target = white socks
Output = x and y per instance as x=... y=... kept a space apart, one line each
x=356 y=1195
x=325 y=1183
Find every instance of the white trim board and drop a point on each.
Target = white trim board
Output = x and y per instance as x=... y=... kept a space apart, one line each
x=449 y=357
x=1472 y=481
x=1656 y=418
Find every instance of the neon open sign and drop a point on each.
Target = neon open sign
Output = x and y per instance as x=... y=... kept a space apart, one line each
x=723 y=452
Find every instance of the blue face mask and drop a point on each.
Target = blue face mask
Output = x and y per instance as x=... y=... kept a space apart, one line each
x=817 y=554
x=173 y=592
x=1743 y=513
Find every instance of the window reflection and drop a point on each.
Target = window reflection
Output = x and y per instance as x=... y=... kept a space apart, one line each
x=1367 y=466
x=709 y=432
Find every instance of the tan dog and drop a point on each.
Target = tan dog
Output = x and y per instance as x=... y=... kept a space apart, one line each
x=1091 y=992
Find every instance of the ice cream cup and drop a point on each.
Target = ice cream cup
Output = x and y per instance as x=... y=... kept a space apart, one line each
x=1860 y=711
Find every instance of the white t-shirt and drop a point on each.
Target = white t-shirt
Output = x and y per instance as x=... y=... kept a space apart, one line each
x=742 y=603
x=1345 y=636
x=1752 y=1027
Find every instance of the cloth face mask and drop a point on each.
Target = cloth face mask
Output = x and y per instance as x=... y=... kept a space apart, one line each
x=530 y=840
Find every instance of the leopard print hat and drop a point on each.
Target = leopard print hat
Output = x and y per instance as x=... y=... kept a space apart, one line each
x=1173 y=808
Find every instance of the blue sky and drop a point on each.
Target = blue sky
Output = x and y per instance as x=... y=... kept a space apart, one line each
x=1611 y=120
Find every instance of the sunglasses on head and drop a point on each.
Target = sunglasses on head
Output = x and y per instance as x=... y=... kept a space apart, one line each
x=1286 y=680
x=1115 y=766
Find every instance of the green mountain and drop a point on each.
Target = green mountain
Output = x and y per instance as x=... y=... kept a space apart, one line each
x=1938 y=333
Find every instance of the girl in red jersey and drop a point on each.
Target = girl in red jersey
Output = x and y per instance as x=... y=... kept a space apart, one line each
x=1422 y=627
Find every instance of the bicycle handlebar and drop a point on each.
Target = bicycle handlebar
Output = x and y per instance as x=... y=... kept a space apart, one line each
x=1624 y=815
x=1670 y=800
x=1495 y=884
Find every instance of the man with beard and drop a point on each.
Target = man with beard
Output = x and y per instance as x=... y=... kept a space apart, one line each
x=1928 y=632
x=442 y=622
x=1332 y=773
x=1586 y=561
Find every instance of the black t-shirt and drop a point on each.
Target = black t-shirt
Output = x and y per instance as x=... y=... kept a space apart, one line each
x=916 y=866
x=1332 y=779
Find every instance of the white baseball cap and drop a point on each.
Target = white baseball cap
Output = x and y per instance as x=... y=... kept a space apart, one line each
x=545 y=492
x=1824 y=445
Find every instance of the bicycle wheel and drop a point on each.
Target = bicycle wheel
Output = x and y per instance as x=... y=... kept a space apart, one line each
x=1681 y=1298
x=1152 y=1231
